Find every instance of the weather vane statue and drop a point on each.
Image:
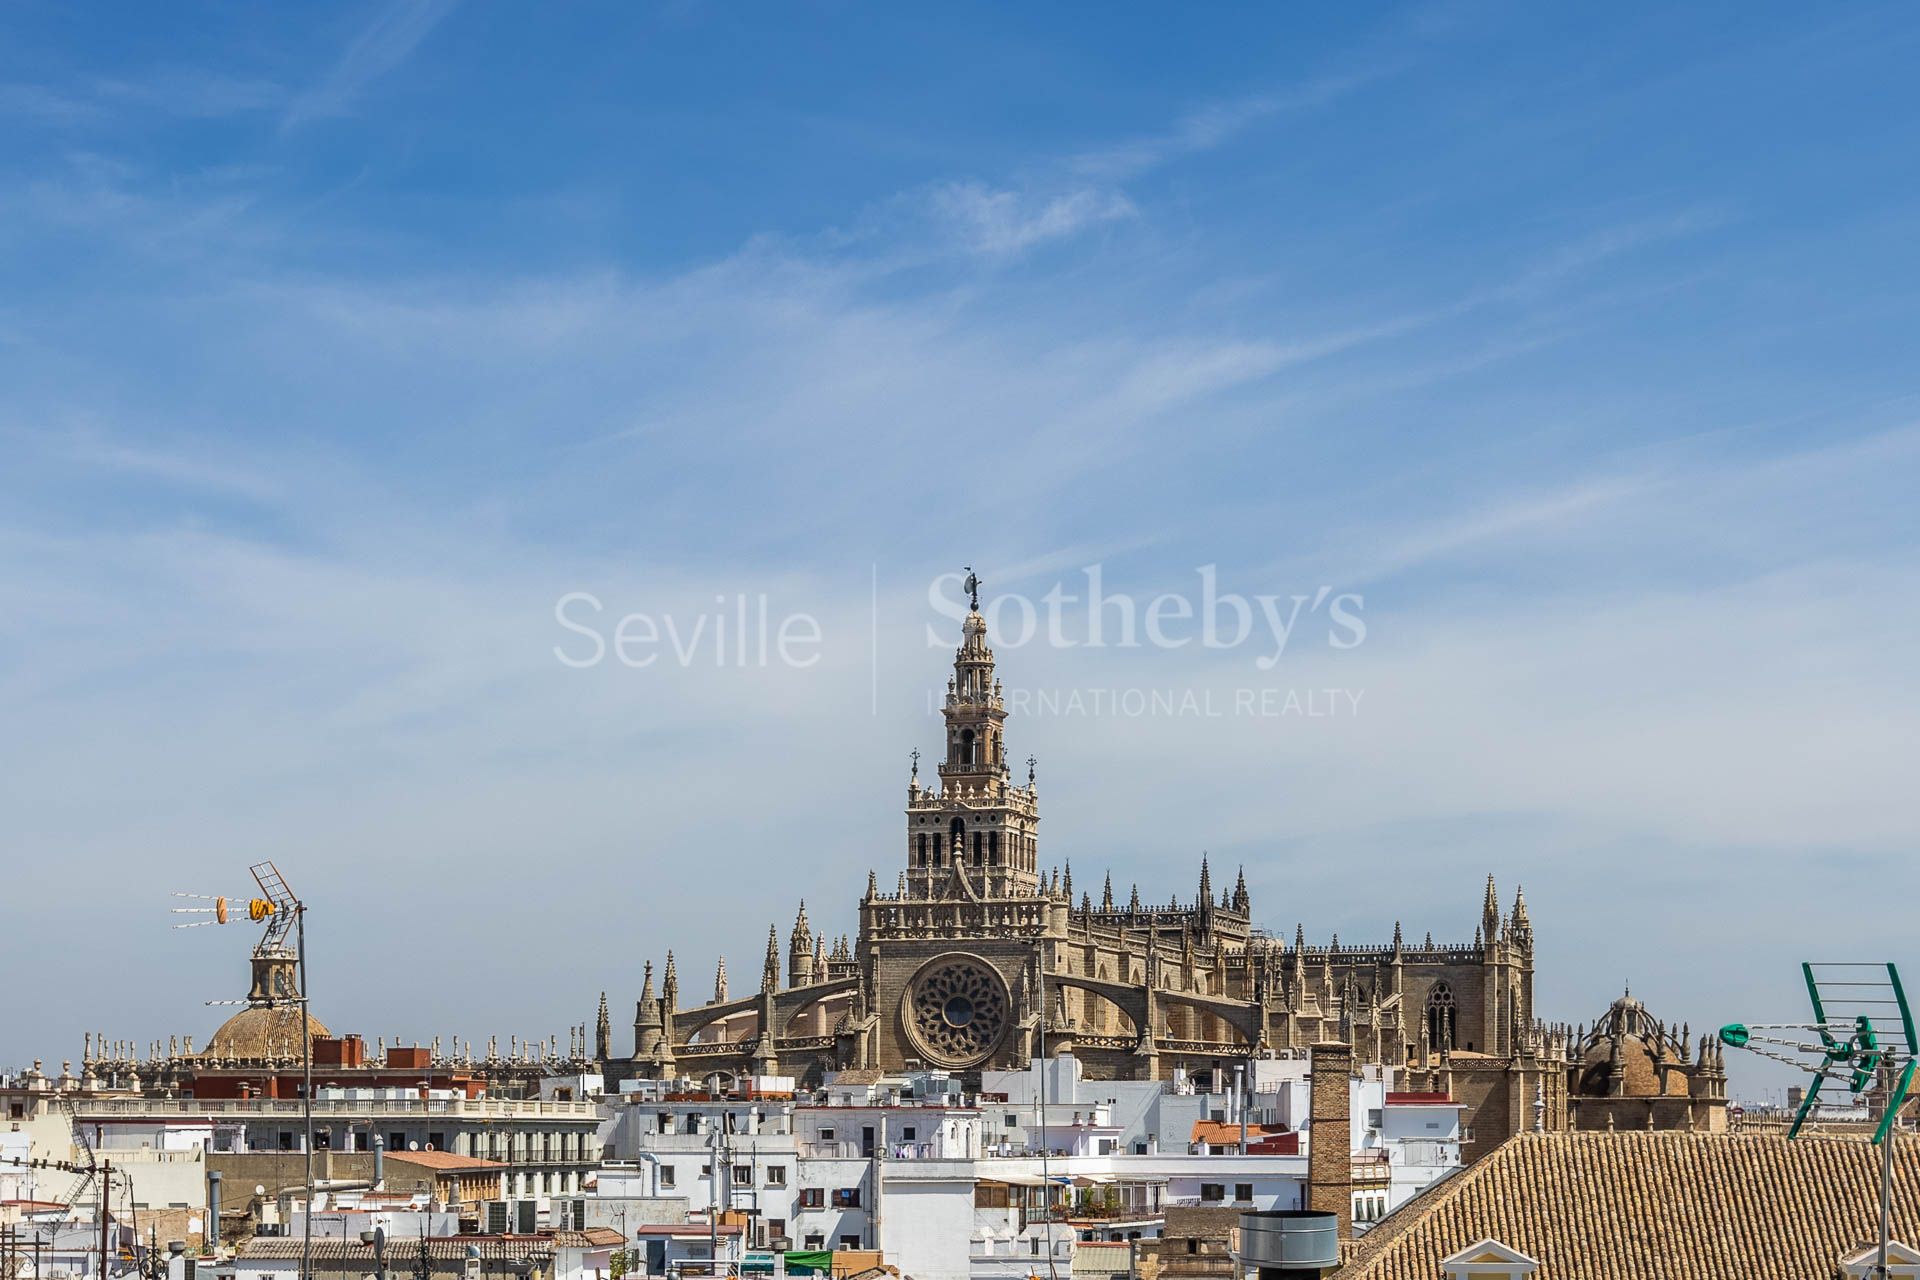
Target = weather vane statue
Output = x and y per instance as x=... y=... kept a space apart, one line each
x=972 y=587
x=1866 y=1034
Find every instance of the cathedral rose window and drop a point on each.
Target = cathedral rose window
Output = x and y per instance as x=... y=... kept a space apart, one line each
x=955 y=1010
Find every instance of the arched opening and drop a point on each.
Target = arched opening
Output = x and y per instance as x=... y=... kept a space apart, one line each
x=993 y=847
x=923 y=848
x=977 y=855
x=966 y=747
x=1443 y=1029
x=937 y=851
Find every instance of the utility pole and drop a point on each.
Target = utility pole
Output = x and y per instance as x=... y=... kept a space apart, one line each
x=106 y=1199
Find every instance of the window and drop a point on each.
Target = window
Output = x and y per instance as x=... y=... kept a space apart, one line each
x=813 y=1198
x=437 y=1141
x=322 y=1139
x=777 y=1177
x=816 y=1242
x=286 y=1140
x=826 y=1135
x=1243 y=1192
x=923 y=848
x=1013 y=1121
x=743 y=1175
x=909 y=1133
x=666 y=1175
x=1442 y=1028
x=776 y=1229
x=849 y=1242
x=1375 y=1117
x=846 y=1198
x=396 y=1141
x=1213 y=1191
x=993 y=847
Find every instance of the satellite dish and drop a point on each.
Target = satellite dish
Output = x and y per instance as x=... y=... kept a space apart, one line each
x=413 y=1146
x=259 y=1189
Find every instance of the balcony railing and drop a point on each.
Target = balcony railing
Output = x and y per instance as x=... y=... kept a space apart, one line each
x=249 y=1108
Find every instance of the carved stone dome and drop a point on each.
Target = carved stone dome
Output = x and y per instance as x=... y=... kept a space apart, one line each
x=262 y=1031
x=269 y=1027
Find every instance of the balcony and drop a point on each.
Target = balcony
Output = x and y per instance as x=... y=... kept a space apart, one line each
x=335 y=1108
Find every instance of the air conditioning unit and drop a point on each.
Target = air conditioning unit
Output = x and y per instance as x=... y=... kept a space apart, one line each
x=526 y=1216
x=496 y=1217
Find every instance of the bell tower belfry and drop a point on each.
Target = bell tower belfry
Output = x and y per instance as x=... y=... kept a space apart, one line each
x=976 y=827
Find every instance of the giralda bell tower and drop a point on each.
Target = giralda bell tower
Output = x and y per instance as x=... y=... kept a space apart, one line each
x=976 y=836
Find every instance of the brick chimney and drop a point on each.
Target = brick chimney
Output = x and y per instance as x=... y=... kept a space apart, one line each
x=1330 y=1134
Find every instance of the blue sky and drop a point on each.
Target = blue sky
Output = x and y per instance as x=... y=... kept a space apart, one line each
x=338 y=343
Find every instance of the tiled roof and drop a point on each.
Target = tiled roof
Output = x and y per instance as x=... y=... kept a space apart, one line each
x=1219 y=1133
x=588 y=1238
x=444 y=1160
x=1633 y=1205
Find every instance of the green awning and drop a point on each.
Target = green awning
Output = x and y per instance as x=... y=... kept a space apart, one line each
x=809 y=1262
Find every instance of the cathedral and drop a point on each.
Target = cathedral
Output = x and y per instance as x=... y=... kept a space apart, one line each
x=978 y=958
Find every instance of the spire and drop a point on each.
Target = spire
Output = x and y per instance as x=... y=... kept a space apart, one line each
x=770 y=974
x=1490 y=913
x=1242 y=902
x=720 y=981
x=802 y=931
x=1299 y=939
x=1206 y=882
x=1133 y=902
x=1067 y=883
x=1398 y=947
x=670 y=984
x=1106 y=894
x=873 y=884
x=602 y=1031
x=646 y=985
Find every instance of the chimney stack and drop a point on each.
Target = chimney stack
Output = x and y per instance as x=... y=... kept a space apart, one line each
x=1330 y=1134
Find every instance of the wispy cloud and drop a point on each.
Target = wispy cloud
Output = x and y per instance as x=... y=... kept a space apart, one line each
x=991 y=221
x=1216 y=124
x=380 y=48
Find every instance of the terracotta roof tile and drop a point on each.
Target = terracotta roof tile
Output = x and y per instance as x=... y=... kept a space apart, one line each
x=1631 y=1205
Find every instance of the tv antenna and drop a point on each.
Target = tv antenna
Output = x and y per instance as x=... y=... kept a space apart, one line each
x=279 y=981
x=1865 y=1034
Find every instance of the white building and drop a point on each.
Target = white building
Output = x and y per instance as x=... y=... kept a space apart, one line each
x=993 y=1185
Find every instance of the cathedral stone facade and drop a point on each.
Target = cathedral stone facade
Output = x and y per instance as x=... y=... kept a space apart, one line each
x=978 y=957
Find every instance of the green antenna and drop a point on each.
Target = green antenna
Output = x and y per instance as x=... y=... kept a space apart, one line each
x=1863 y=1024
x=1865 y=1028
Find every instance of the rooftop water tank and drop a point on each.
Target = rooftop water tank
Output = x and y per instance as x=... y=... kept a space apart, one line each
x=1289 y=1244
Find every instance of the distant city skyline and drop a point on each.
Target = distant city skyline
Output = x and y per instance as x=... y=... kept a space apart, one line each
x=1566 y=355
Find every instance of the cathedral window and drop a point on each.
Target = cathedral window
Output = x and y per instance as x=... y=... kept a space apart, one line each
x=923 y=848
x=976 y=849
x=1442 y=1026
x=993 y=847
x=966 y=747
x=936 y=849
